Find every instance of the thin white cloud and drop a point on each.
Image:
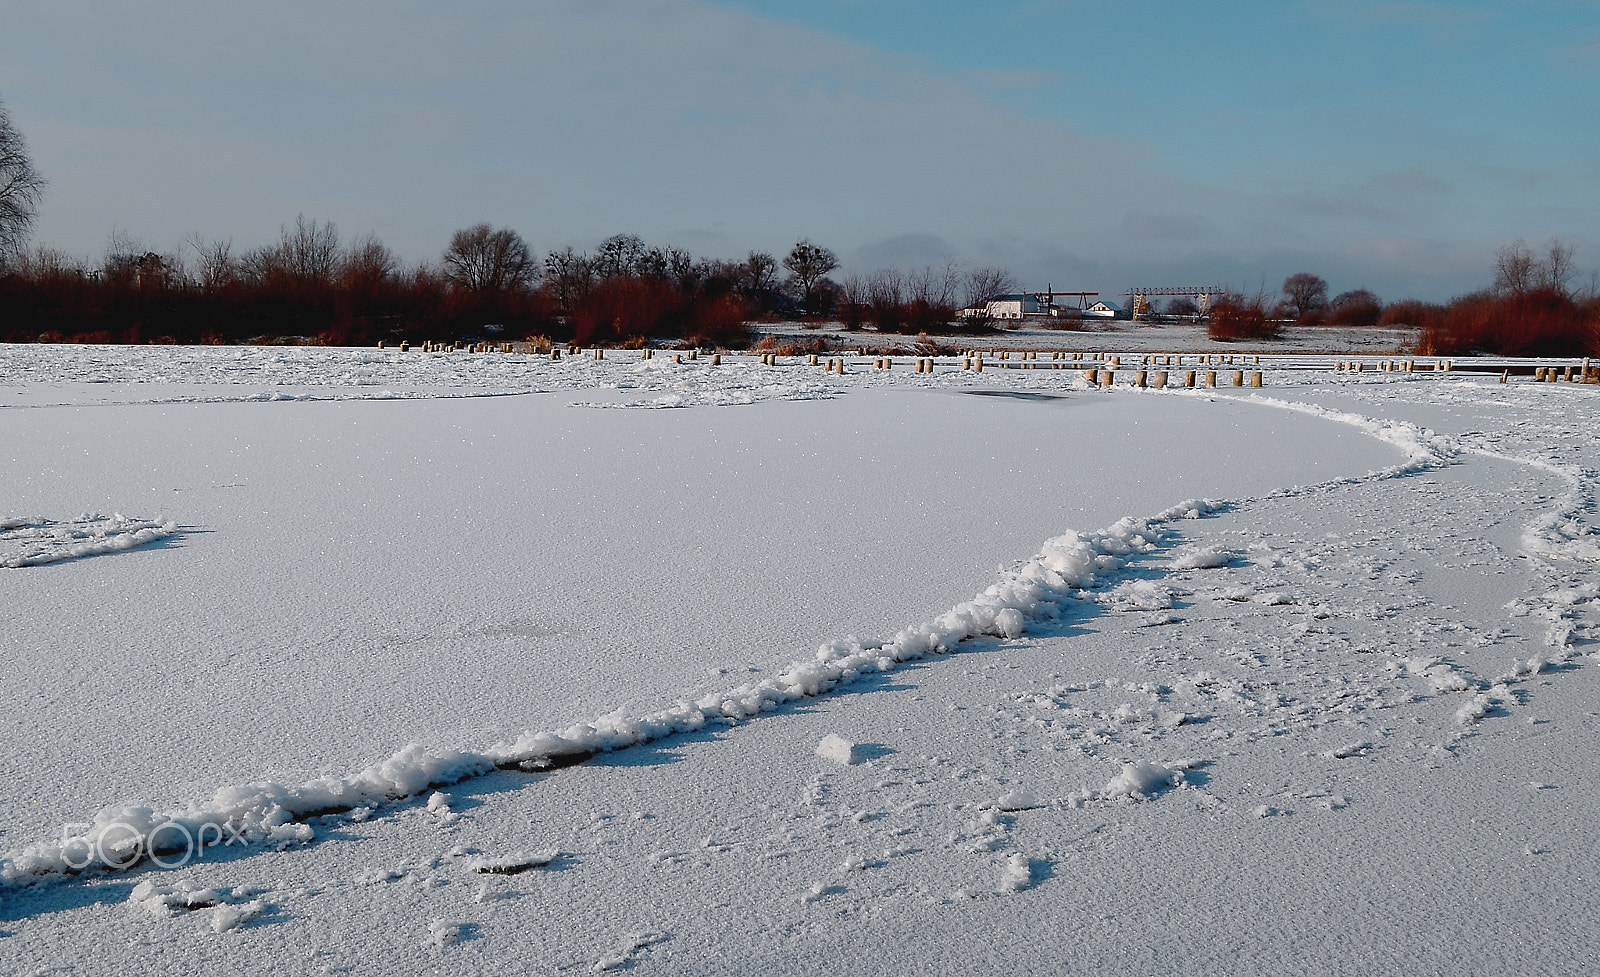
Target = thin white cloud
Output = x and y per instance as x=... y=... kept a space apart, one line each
x=685 y=121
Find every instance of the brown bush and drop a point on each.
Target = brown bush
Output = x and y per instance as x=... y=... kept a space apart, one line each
x=1355 y=308
x=800 y=347
x=620 y=308
x=1541 y=322
x=1236 y=317
x=722 y=323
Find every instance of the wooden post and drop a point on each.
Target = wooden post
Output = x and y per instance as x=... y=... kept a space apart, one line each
x=1238 y=378
x=1211 y=378
x=1188 y=378
x=1160 y=379
x=1255 y=379
x=1107 y=378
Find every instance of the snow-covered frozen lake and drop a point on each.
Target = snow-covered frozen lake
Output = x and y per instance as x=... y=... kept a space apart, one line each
x=1135 y=679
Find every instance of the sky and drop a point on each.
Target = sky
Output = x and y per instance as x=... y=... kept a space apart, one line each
x=1085 y=146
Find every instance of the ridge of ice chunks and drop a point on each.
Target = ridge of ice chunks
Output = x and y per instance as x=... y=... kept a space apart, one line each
x=263 y=814
x=1424 y=449
x=30 y=541
x=269 y=813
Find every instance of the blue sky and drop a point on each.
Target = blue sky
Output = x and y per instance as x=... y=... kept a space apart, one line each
x=1388 y=145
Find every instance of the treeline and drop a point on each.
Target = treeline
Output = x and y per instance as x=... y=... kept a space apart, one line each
x=312 y=286
x=1529 y=310
x=922 y=301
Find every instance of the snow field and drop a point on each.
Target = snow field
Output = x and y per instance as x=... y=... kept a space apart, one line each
x=1360 y=738
x=313 y=625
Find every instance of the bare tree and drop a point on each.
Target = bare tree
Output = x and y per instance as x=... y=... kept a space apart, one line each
x=667 y=264
x=808 y=265
x=1515 y=268
x=1357 y=307
x=216 y=267
x=43 y=263
x=570 y=274
x=935 y=286
x=759 y=271
x=261 y=266
x=368 y=263
x=886 y=299
x=1304 y=293
x=482 y=259
x=1556 y=269
x=619 y=256
x=21 y=186
x=310 y=252
x=853 y=297
x=984 y=284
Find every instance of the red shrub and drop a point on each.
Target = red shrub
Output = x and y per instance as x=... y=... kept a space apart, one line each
x=1542 y=322
x=1236 y=317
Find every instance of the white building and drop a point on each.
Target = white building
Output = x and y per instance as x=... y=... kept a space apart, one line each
x=1010 y=307
x=1106 y=310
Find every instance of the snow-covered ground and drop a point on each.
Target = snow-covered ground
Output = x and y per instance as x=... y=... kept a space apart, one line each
x=1122 y=336
x=472 y=663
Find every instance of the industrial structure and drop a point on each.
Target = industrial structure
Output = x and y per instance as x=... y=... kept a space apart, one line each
x=1139 y=298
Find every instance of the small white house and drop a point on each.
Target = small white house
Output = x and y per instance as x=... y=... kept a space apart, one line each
x=1106 y=310
x=1012 y=307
